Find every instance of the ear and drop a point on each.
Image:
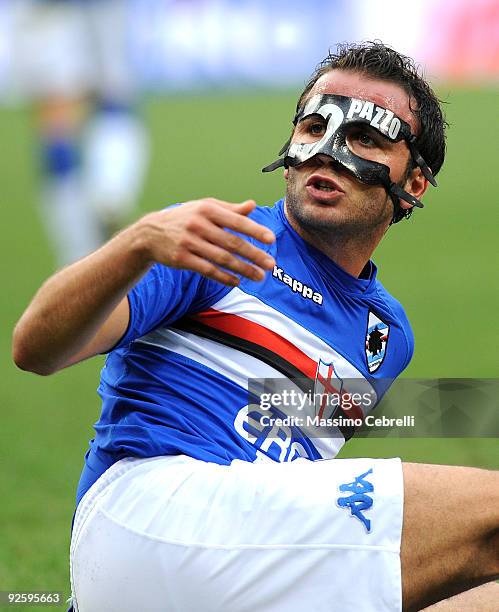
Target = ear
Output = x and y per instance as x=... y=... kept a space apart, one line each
x=416 y=184
x=286 y=174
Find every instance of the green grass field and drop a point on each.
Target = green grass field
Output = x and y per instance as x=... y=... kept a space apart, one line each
x=442 y=265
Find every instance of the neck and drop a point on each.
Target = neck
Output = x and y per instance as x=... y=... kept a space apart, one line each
x=349 y=251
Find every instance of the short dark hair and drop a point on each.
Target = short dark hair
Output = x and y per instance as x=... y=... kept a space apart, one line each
x=376 y=60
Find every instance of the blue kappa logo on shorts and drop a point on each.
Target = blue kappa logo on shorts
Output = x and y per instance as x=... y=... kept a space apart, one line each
x=359 y=500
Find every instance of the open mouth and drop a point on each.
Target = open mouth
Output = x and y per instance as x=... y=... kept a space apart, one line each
x=322 y=187
x=323 y=183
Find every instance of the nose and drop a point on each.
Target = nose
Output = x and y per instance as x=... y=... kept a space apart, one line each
x=325 y=161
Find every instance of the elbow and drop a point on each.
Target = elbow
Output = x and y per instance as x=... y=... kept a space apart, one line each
x=24 y=362
x=25 y=358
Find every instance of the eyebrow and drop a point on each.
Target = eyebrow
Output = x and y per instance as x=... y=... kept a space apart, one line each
x=313 y=117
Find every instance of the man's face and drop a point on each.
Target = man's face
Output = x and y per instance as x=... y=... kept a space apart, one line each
x=321 y=195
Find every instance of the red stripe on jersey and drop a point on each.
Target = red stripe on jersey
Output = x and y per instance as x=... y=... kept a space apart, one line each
x=239 y=327
x=253 y=332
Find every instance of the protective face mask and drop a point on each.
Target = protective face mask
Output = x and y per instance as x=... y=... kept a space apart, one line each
x=339 y=116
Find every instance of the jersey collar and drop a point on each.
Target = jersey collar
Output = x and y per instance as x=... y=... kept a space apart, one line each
x=336 y=273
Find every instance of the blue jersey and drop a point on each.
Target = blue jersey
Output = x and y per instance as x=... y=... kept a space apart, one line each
x=177 y=382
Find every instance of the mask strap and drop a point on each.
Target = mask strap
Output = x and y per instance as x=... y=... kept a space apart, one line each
x=400 y=193
x=279 y=162
x=416 y=156
x=285 y=147
x=273 y=166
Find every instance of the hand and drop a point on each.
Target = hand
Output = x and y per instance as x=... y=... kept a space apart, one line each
x=194 y=237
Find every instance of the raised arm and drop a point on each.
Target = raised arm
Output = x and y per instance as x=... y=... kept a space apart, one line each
x=82 y=310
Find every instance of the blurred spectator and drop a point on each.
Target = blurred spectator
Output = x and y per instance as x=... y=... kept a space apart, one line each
x=72 y=60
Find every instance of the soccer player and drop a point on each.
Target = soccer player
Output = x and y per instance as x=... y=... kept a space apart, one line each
x=189 y=498
x=72 y=62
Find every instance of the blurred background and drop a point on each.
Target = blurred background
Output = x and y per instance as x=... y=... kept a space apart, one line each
x=111 y=108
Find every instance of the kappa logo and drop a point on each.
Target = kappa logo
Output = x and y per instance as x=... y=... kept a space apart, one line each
x=380 y=118
x=376 y=339
x=359 y=501
x=297 y=286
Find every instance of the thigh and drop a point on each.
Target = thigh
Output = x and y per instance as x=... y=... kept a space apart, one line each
x=173 y=533
x=485 y=597
x=450 y=539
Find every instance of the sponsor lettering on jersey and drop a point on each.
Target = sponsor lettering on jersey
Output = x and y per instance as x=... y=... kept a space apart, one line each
x=358 y=501
x=297 y=286
x=278 y=442
x=380 y=118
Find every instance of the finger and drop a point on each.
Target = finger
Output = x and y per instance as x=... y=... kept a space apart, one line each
x=236 y=244
x=241 y=208
x=240 y=223
x=227 y=260
x=210 y=270
x=247 y=206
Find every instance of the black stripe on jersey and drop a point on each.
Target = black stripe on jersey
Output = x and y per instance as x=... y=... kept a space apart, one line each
x=250 y=348
x=259 y=352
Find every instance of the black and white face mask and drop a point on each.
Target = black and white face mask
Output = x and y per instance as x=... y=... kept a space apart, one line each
x=339 y=115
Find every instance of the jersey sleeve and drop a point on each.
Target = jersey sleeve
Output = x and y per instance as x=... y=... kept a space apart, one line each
x=408 y=336
x=165 y=295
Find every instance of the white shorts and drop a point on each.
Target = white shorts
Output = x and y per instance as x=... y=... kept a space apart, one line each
x=174 y=534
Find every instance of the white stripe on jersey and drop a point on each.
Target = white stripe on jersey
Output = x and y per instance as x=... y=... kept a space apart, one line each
x=235 y=365
x=238 y=366
x=249 y=307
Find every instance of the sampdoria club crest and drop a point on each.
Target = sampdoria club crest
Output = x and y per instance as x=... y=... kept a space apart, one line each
x=376 y=339
x=327 y=390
